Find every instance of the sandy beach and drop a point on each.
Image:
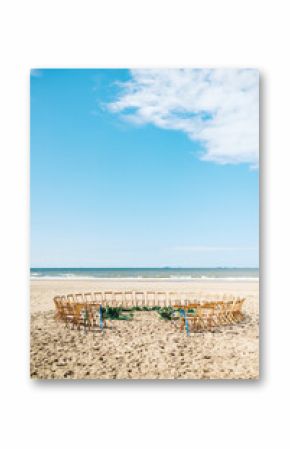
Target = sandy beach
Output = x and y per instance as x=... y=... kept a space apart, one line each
x=146 y=347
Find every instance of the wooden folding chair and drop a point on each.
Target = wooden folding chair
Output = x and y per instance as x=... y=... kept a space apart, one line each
x=118 y=297
x=150 y=299
x=96 y=316
x=68 y=312
x=237 y=309
x=59 y=312
x=196 y=318
x=220 y=313
x=139 y=299
x=191 y=297
x=79 y=298
x=129 y=299
x=81 y=316
x=161 y=299
x=173 y=299
x=240 y=309
x=88 y=297
x=98 y=297
x=209 y=315
x=109 y=299
x=70 y=298
x=229 y=308
x=191 y=317
x=184 y=298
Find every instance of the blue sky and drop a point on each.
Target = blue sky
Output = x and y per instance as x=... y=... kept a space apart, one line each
x=123 y=176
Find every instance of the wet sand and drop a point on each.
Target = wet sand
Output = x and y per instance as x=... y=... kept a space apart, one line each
x=146 y=347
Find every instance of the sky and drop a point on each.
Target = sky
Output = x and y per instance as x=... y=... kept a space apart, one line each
x=144 y=168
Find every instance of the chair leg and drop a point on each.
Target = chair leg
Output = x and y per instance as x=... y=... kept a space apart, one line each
x=181 y=324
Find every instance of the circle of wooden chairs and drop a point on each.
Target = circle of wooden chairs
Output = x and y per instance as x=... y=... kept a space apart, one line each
x=86 y=310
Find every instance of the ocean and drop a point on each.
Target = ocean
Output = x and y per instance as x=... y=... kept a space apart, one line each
x=246 y=274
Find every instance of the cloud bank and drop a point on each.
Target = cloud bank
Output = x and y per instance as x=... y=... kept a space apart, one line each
x=217 y=107
x=194 y=249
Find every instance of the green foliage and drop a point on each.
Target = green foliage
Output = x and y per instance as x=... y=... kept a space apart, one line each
x=112 y=313
x=166 y=312
x=117 y=313
x=128 y=317
x=192 y=311
x=144 y=308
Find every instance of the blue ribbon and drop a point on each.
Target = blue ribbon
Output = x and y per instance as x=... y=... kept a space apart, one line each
x=182 y=313
x=101 y=317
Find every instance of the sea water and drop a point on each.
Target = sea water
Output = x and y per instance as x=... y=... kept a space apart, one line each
x=246 y=274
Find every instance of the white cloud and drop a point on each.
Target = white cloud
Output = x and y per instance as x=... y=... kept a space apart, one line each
x=217 y=107
x=197 y=249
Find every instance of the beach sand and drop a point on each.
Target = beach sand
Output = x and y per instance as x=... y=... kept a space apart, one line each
x=146 y=347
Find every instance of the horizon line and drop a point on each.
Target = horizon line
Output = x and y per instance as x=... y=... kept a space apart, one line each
x=167 y=267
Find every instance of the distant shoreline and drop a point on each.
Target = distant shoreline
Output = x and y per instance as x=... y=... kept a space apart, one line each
x=144 y=279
